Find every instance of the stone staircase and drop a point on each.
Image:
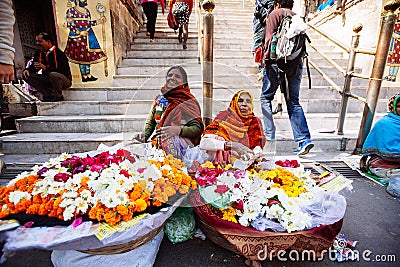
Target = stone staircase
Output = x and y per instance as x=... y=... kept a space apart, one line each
x=111 y=115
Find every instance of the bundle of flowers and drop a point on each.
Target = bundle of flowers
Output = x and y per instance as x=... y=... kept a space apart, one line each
x=273 y=197
x=110 y=187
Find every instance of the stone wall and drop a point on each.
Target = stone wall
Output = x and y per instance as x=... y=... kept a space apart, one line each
x=126 y=18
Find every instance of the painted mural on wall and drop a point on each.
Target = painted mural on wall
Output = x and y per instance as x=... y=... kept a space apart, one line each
x=393 y=60
x=86 y=37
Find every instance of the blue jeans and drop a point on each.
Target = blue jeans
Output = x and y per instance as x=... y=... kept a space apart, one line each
x=272 y=78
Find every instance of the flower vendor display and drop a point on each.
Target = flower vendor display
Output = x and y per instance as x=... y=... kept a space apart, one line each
x=110 y=187
x=131 y=191
x=278 y=205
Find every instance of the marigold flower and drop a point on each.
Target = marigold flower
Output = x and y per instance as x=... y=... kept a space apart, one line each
x=122 y=209
x=140 y=205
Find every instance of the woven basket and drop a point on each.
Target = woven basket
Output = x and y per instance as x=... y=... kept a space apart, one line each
x=214 y=235
x=249 y=242
x=122 y=248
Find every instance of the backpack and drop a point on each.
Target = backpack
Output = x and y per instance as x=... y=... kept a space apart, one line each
x=172 y=22
x=290 y=38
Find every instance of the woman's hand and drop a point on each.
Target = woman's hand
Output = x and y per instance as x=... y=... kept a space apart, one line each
x=167 y=132
x=239 y=148
x=139 y=137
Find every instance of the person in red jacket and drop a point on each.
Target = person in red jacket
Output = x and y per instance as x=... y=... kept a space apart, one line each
x=181 y=9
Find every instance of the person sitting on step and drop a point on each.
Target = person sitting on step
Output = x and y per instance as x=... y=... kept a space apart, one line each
x=55 y=71
x=174 y=122
x=381 y=149
x=234 y=132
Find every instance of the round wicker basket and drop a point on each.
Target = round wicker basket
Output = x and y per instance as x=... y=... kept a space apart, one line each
x=122 y=248
x=214 y=235
x=249 y=242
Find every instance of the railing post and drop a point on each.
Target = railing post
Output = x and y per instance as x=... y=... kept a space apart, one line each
x=347 y=77
x=207 y=66
x=375 y=82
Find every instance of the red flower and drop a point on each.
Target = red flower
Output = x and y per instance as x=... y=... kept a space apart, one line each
x=221 y=189
x=96 y=168
x=140 y=170
x=238 y=205
x=272 y=201
x=88 y=161
x=124 y=173
x=288 y=163
x=126 y=154
x=239 y=174
x=61 y=177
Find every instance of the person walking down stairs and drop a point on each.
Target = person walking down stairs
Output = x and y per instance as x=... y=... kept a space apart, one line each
x=181 y=9
x=150 y=9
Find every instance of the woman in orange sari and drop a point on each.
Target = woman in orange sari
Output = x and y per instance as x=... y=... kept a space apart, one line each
x=174 y=122
x=235 y=131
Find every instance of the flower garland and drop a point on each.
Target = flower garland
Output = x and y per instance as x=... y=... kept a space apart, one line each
x=107 y=187
x=248 y=196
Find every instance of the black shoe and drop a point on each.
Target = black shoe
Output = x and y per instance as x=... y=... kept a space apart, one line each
x=278 y=109
x=184 y=45
x=84 y=79
x=91 y=79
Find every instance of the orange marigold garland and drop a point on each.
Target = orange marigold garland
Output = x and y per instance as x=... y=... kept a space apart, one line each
x=107 y=187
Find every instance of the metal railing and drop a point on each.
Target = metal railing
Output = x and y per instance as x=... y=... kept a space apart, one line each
x=375 y=79
x=348 y=73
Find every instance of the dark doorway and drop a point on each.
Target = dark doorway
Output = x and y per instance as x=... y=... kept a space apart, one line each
x=32 y=17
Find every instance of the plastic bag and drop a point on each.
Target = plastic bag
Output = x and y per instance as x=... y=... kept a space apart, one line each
x=194 y=154
x=181 y=226
x=393 y=187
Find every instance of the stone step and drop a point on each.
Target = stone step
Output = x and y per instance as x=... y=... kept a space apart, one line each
x=223 y=80
x=172 y=44
x=194 y=30
x=320 y=61
x=81 y=124
x=57 y=143
x=159 y=79
x=192 y=68
x=157 y=62
x=218 y=69
x=164 y=54
x=161 y=53
x=132 y=107
x=163 y=41
x=148 y=92
x=166 y=33
x=129 y=123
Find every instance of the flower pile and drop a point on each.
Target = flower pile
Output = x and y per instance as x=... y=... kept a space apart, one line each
x=107 y=187
x=253 y=195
